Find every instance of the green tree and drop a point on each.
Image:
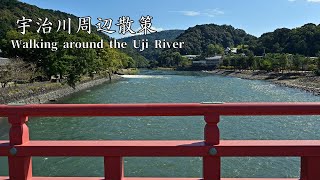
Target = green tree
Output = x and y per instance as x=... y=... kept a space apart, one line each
x=266 y=64
x=251 y=61
x=318 y=65
x=226 y=61
x=283 y=60
x=297 y=62
x=214 y=49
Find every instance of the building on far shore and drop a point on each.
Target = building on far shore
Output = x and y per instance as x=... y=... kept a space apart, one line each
x=191 y=57
x=229 y=50
x=214 y=61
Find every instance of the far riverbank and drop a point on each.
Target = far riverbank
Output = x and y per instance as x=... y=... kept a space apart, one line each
x=306 y=81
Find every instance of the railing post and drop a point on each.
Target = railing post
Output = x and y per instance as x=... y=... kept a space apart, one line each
x=20 y=168
x=310 y=168
x=212 y=162
x=113 y=168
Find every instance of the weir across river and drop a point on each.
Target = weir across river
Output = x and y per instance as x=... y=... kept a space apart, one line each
x=20 y=149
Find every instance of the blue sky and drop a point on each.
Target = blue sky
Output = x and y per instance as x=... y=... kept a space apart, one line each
x=254 y=16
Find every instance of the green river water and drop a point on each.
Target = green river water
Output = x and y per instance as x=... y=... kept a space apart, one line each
x=173 y=87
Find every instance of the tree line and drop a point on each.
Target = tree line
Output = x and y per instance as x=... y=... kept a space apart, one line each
x=70 y=64
x=272 y=62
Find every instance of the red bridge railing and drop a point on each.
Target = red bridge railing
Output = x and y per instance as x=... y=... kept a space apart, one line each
x=20 y=149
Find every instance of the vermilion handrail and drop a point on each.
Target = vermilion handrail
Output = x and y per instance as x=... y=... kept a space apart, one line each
x=188 y=109
x=20 y=149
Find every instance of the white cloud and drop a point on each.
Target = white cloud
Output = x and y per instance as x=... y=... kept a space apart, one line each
x=212 y=12
x=207 y=12
x=189 y=13
x=312 y=1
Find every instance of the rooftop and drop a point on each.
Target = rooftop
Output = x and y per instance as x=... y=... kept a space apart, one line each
x=191 y=55
x=214 y=58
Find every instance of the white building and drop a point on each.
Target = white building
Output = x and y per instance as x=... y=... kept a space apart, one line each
x=231 y=50
x=191 y=57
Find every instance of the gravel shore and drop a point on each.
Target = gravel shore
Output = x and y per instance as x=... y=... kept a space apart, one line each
x=301 y=80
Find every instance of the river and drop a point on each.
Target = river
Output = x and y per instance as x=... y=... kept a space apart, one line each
x=170 y=87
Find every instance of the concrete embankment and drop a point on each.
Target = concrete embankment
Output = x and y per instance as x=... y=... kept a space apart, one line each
x=45 y=92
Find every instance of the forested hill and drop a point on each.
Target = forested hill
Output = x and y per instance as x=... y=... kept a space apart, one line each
x=13 y=10
x=73 y=63
x=198 y=38
x=303 y=40
x=151 y=53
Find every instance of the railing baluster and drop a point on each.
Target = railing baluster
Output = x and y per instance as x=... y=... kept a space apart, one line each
x=20 y=168
x=212 y=163
x=113 y=168
x=310 y=168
